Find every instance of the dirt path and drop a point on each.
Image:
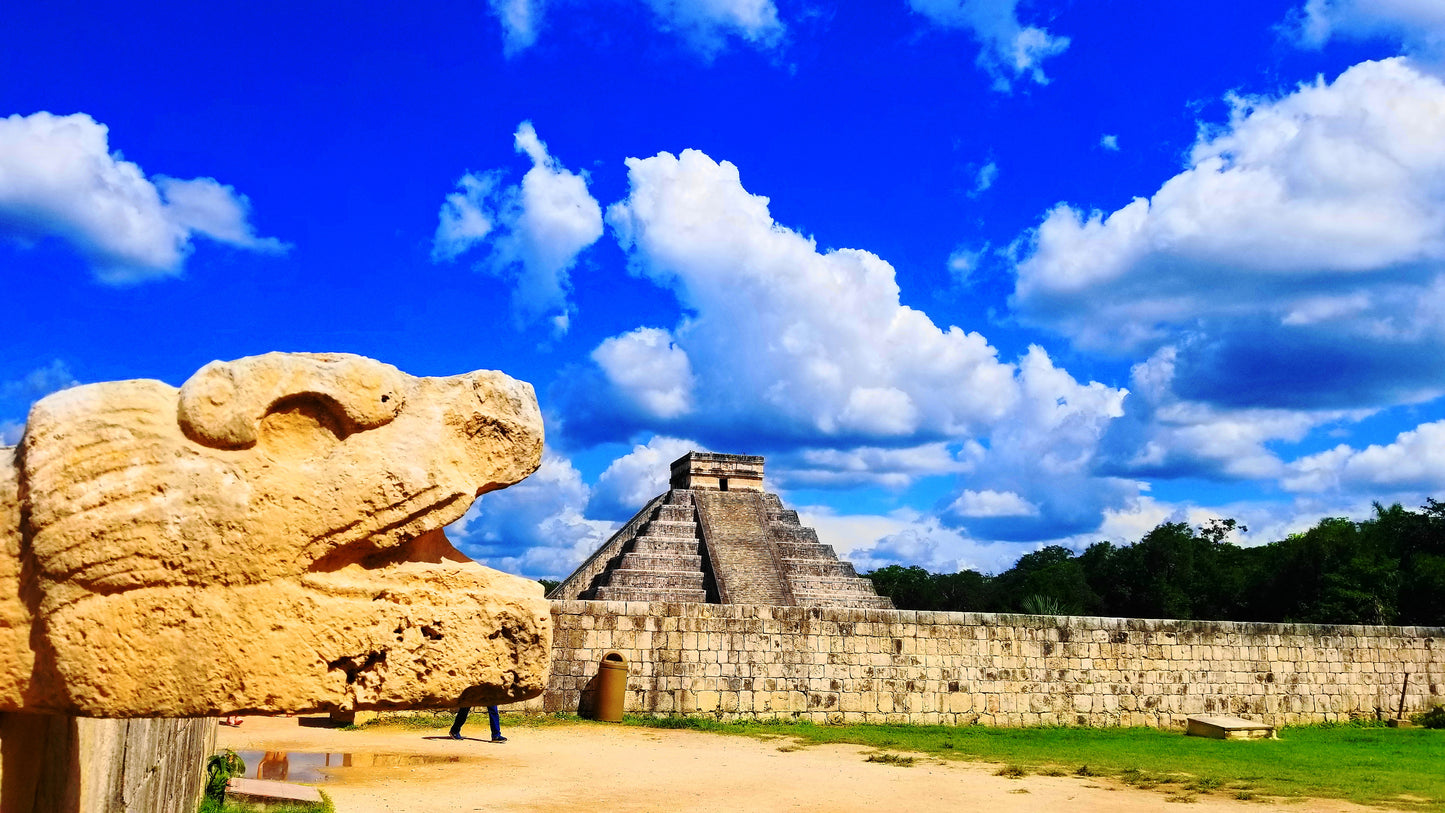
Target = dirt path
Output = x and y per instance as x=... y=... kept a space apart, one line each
x=627 y=770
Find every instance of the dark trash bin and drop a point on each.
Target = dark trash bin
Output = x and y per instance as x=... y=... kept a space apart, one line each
x=611 y=687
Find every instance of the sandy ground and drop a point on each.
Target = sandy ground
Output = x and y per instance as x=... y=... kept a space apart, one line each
x=621 y=770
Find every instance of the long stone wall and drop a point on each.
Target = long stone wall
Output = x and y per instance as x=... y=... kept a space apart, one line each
x=846 y=665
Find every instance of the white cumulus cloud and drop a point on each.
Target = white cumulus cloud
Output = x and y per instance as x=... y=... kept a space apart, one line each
x=906 y=537
x=638 y=476
x=1415 y=461
x=1047 y=452
x=1008 y=49
x=705 y=25
x=465 y=219
x=811 y=344
x=1163 y=435
x=649 y=371
x=521 y=22
x=987 y=174
x=812 y=355
x=1295 y=262
x=963 y=262
x=990 y=503
x=537 y=229
x=59 y=178
x=894 y=468
x=1419 y=25
x=535 y=528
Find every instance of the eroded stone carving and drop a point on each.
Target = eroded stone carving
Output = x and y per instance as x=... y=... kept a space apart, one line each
x=267 y=538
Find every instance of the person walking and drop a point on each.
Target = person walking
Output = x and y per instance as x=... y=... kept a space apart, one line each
x=493 y=717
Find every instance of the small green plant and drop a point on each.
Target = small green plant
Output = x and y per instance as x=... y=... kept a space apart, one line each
x=1052 y=770
x=1137 y=778
x=892 y=759
x=1012 y=771
x=1085 y=770
x=219 y=770
x=1434 y=718
x=1037 y=604
x=1205 y=784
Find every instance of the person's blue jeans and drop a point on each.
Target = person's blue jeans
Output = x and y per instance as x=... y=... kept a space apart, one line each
x=493 y=717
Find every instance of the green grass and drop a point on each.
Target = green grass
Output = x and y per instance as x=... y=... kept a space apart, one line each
x=431 y=720
x=209 y=805
x=420 y=720
x=1400 y=768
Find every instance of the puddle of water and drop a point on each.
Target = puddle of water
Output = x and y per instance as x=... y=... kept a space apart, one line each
x=308 y=767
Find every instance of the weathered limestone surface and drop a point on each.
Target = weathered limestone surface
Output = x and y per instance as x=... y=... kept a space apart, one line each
x=266 y=538
x=14 y=614
x=104 y=766
x=838 y=665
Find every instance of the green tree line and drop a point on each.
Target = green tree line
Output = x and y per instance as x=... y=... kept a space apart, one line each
x=1388 y=569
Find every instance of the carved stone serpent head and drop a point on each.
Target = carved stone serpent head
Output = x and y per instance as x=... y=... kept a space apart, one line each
x=266 y=538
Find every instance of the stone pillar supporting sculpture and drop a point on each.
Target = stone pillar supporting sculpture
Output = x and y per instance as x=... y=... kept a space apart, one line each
x=267 y=538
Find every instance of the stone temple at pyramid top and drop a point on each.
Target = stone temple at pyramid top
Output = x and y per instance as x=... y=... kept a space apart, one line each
x=715 y=536
x=724 y=472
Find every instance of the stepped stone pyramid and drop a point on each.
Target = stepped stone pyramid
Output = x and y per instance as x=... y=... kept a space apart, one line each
x=717 y=537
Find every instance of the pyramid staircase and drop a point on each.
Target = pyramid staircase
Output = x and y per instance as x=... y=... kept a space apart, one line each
x=816 y=576
x=661 y=562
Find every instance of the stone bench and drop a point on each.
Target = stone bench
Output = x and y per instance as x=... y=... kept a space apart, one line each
x=1223 y=727
x=271 y=792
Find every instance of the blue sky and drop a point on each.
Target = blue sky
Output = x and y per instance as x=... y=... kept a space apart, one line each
x=977 y=276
